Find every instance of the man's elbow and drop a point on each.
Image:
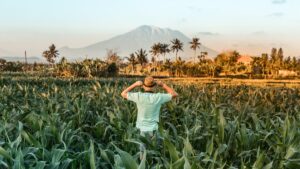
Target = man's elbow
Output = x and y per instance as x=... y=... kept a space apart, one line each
x=124 y=95
x=174 y=95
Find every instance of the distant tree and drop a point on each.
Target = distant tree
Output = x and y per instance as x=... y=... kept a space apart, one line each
x=234 y=57
x=256 y=65
x=179 y=64
x=63 y=68
x=153 y=60
x=141 y=56
x=133 y=61
x=273 y=67
x=298 y=65
x=194 y=45
x=63 y=62
x=227 y=60
x=153 y=64
x=156 y=51
x=287 y=63
x=26 y=63
x=2 y=61
x=294 y=63
x=273 y=55
x=165 y=50
x=13 y=66
x=51 y=54
x=112 y=57
x=2 y=64
x=201 y=57
x=168 y=66
x=264 y=62
x=280 y=58
x=112 y=69
x=177 y=45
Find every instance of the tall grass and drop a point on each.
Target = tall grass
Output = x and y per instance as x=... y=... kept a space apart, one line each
x=56 y=123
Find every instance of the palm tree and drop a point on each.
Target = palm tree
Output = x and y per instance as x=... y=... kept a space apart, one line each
x=51 y=54
x=63 y=62
x=264 y=62
x=168 y=66
x=164 y=50
x=156 y=49
x=202 y=56
x=153 y=61
x=132 y=60
x=141 y=56
x=194 y=45
x=178 y=64
x=177 y=45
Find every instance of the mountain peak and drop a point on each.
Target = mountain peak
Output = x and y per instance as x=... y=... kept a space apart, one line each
x=148 y=27
x=143 y=36
x=154 y=29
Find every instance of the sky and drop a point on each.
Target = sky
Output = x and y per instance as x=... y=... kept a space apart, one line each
x=249 y=26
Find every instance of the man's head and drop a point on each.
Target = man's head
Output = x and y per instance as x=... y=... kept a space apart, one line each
x=149 y=83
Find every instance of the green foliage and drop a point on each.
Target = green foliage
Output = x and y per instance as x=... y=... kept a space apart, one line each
x=79 y=123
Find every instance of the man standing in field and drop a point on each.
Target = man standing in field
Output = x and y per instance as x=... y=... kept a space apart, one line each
x=148 y=104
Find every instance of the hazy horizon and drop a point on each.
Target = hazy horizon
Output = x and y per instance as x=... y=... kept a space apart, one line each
x=251 y=27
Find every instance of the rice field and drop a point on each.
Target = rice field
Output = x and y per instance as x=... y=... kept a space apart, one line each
x=48 y=123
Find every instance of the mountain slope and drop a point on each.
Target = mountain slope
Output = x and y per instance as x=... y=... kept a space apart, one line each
x=141 y=37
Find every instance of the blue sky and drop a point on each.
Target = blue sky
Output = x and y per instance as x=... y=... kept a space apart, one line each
x=250 y=26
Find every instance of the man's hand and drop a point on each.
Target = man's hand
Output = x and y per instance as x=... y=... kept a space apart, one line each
x=138 y=83
x=160 y=83
x=128 y=89
x=168 y=89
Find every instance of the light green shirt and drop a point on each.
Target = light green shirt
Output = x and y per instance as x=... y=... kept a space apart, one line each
x=148 y=105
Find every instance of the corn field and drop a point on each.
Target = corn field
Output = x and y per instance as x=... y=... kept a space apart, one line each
x=48 y=123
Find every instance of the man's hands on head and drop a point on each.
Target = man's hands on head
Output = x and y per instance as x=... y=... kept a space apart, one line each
x=160 y=83
x=128 y=89
x=138 y=83
x=167 y=89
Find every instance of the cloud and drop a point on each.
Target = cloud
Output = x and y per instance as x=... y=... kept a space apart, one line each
x=278 y=2
x=208 y=34
x=276 y=14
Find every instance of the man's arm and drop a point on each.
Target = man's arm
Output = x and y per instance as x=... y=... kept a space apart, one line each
x=134 y=85
x=167 y=89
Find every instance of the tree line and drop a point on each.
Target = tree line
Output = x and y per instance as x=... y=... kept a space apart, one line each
x=155 y=62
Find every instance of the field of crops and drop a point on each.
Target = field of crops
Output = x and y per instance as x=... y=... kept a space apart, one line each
x=55 y=123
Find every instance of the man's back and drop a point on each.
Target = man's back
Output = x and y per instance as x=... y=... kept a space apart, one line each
x=148 y=105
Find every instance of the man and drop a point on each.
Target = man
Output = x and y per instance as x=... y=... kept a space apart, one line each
x=148 y=104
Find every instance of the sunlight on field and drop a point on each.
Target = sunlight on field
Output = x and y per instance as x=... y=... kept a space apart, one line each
x=73 y=123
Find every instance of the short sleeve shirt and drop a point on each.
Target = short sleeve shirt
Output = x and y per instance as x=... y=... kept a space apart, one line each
x=148 y=105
